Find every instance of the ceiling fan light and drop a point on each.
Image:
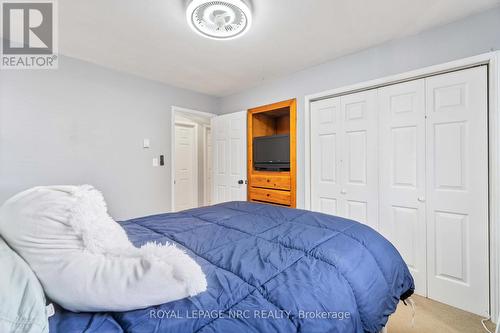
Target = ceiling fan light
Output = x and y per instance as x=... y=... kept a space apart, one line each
x=219 y=19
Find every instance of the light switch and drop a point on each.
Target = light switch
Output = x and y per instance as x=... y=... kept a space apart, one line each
x=156 y=162
x=146 y=143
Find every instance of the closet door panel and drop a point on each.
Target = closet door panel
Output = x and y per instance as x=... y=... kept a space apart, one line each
x=359 y=171
x=326 y=143
x=457 y=189
x=402 y=174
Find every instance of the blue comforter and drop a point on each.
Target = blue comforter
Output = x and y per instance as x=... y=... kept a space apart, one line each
x=269 y=269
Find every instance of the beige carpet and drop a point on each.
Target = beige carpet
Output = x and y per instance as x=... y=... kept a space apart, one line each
x=432 y=316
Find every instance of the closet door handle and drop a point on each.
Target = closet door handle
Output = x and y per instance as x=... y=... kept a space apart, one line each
x=421 y=199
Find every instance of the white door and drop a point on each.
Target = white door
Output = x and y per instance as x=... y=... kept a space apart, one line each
x=208 y=166
x=230 y=156
x=402 y=174
x=344 y=156
x=457 y=189
x=359 y=172
x=432 y=180
x=326 y=156
x=186 y=167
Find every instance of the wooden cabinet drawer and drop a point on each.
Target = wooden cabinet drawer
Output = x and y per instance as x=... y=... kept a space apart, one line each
x=272 y=196
x=272 y=182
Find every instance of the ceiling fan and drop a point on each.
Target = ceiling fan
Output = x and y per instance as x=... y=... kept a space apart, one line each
x=220 y=19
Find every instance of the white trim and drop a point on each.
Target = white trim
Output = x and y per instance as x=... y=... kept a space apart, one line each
x=491 y=59
x=494 y=184
x=194 y=112
x=174 y=110
x=206 y=190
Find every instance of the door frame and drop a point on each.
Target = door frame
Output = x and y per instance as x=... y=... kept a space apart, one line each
x=173 y=111
x=492 y=60
x=206 y=190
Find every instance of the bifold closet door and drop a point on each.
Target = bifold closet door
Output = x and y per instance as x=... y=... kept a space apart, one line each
x=402 y=174
x=359 y=172
x=326 y=156
x=431 y=184
x=344 y=165
x=457 y=189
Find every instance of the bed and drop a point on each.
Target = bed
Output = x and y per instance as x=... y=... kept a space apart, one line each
x=269 y=269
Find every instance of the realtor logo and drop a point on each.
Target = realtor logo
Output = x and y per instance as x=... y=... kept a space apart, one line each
x=29 y=39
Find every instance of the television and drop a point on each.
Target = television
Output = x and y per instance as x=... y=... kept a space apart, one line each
x=272 y=153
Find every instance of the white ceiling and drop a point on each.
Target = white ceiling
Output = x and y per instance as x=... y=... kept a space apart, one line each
x=151 y=38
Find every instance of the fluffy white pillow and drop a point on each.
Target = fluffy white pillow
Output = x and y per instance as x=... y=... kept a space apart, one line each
x=84 y=259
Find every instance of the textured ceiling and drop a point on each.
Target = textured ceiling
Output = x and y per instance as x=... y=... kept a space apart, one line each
x=152 y=39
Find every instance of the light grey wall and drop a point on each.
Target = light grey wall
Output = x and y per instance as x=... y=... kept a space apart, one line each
x=83 y=124
x=470 y=36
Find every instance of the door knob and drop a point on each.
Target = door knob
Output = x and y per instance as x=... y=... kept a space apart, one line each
x=343 y=191
x=241 y=182
x=421 y=199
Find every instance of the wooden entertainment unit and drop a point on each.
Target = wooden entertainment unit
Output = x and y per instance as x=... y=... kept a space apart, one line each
x=274 y=187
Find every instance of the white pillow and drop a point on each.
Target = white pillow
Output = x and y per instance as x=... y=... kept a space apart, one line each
x=22 y=302
x=84 y=259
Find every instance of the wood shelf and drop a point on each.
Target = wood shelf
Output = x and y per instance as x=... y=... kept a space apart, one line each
x=269 y=186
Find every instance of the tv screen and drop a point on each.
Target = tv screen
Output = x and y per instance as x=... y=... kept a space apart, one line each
x=271 y=152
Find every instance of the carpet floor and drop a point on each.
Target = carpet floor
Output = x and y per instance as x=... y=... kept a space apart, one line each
x=432 y=316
